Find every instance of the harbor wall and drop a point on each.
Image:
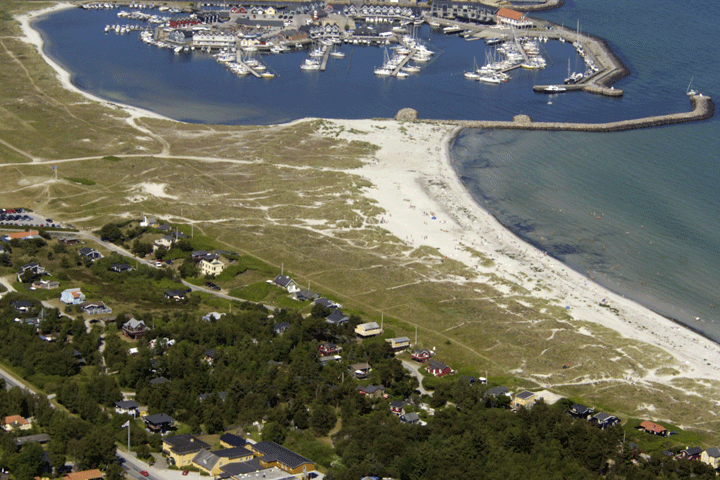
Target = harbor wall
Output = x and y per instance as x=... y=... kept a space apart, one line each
x=704 y=108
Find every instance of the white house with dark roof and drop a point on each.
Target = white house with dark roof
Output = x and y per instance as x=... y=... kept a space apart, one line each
x=127 y=407
x=711 y=457
x=89 y=253
x=72 y=296
x=369 y=329
x=337 y=318
x=287 y=283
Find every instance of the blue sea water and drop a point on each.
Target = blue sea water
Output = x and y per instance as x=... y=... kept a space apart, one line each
x=654 y=190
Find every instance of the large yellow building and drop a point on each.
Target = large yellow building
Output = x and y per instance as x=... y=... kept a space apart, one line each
x=182 y=449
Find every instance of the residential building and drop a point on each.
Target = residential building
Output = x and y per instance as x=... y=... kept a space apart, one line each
x=398 y=343
x=280 y=327
x=325 y=349
x=22 y=306
x=93 y=474
x=512 y=18
x=176 y=295
x=581 y=411
x=89 y=253
x=497 y=391
x=95 y=308
x=39 y=438
x=30 y=268
x=211 y=267
x=304 y=295
x=72 y=296
x=159 y=381
x=326 y=303
x=134 y=329
x=159 y=423
x=411 y=418
x=127 y=407
x=372 y=391
x=286 y=283
x=654 y=428
x=149 y=222
x=120 y=267
x=422 y=355
x=524 y=399
x=337 y=318
x=16 y=422
x=212 y=462
x=438 y=368
x=166 y=242
x=28 y=235
x=183 y=448
x=369 y=329
x=230 y=440
x=711 y=457
x=398 y=407
x=45 y=284
x=360 y=370
x=273 y=455
x=604 y=420
x=692 y=453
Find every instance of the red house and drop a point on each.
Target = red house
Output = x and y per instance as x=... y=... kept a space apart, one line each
x=421 y=356
x=438 y=369
x=654 y=428
x=326 y=349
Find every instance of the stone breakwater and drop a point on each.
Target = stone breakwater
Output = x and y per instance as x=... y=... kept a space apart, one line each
x=704 y=108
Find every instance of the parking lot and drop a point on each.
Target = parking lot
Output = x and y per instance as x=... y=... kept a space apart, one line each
x=24 y=218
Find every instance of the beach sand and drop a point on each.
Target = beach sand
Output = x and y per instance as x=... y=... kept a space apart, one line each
x=414 y=181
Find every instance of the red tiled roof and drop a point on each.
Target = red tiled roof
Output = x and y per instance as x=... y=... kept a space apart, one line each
x=22 y=234
x=652 y=427
x=84 y=475
x=16 y=419
x=511 y=14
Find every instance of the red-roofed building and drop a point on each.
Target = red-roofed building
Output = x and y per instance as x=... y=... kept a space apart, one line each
x=512 y=18
x=16 y=422
x=654 y=428
x=20 y=235
x=93 y=474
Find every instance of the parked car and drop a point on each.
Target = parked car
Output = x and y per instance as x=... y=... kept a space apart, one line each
x=185 y=472
x=144 y=473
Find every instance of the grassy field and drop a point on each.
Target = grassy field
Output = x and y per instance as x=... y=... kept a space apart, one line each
x=289 y=196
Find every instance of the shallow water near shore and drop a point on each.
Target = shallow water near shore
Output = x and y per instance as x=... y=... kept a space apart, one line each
x=654 y=190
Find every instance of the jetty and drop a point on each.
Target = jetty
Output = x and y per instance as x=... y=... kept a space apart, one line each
x=405 y=60
x=703 y=109
x=326 y=55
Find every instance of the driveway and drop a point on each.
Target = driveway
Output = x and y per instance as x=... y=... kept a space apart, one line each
x=414 y=370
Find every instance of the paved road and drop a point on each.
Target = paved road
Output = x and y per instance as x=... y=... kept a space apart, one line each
x=133 y=467
x=414 y=370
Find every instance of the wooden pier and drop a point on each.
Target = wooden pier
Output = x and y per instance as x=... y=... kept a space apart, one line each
x=404 y=62
x=326 y=55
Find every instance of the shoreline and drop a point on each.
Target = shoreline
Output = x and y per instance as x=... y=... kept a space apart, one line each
x=403 y=172
x=33 y=37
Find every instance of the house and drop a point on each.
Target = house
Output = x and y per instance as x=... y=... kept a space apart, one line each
x=360 y=370
x=330 y=358
x=524 y=399
x=605 y=420
x=159 y=423
x=212 y=462
x=581 y=411
x=279 y=328
x=286 y=283
x=31 y=268
x=243 y=470
x=326 y=303
x=422 y=355
x=230 y=440
x=372 y=391
x=370 y=329
x=166 y=242
x=210 y=356
x=497 y=391
x=89 y=253
x=159 y=381
x=711 y=457
x=410 y=418
x=691 y=453
x=176 y=295
x=22 y=306
x=198 y=255
x=95 y=308
x=304 y=295
x=204 y=396
x=120 y=267
x=273 y=455
x=183 y=448
x=39 y=438
x=398 y=343
x=127 y=407
x=16 y=422
x=654 y=428
x=72 y=296
x=438 y=368
x=133 y=352
x=328 y=349
x=398 y=407
x=134 y=329
x=45 y=285
x=211 y=267
x=33 y=321
x=213 y=316
x=69 y=240
x=79 y=358
x=93 y=474
x=337 y=318
x=149 y=222
x=512 y=18
x=27 y=235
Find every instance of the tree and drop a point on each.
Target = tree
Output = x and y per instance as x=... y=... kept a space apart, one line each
x=274 y=432
x=111 y=233
x=323 y=419
x=30 y=462
x=141 y=248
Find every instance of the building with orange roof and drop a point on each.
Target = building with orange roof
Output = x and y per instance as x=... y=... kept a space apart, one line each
x=16 y=422
x=652 y=427
x=512 y=18
x=93 y=474
x=19 y=235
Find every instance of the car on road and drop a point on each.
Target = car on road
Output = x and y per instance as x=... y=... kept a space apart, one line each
x=185 y=472
x=212 y=285
x=144 y=473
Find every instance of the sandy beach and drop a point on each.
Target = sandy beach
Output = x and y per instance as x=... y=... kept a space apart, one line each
x=414 y=181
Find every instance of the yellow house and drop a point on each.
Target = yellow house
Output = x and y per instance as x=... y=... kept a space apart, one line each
x=182 y=449
x=273 y=455
x=398 y=342
x=711 y=457
x=16 y=422
x=369 y=329
x=210 y=462
x=213 y=267
x=524 y=399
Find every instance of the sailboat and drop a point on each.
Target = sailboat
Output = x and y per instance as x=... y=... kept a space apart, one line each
x=472 y=74
x=691 y=92
x=573 y=77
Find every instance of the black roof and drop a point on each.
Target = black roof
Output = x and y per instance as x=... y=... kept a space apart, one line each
x=232 y=439
x=693 y=451
x=234 y=452
x=272 y=451
x=337 y=317
x=158 y=419
x=495 y=391
x=185 y=443
x=579 y=409
x=126 y=404
x=524 y=395
x=239 y=468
